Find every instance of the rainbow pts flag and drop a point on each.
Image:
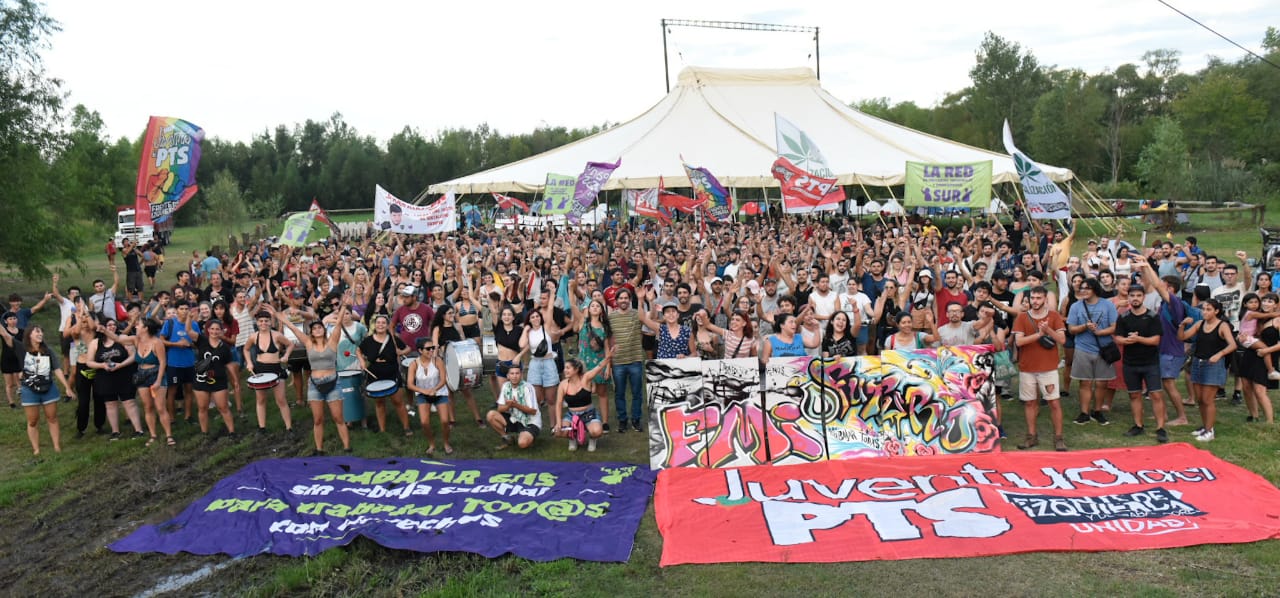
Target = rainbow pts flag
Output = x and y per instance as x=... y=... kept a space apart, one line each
x=167 y=171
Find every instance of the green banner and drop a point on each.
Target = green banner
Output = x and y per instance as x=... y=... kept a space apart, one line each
x=558 y=194
x=296 y=229
x=948 y=185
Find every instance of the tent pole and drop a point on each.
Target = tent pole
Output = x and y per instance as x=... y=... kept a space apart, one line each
x=666 y=69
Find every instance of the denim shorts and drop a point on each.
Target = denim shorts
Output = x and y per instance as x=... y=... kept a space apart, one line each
x=313 y=393
x=421 y=399
x=588 y=416
x=1171 y=366
x=31 y=398
x=542 y=372
x=1208 y=374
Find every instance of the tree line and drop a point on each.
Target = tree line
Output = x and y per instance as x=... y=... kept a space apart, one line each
x=1141 y=130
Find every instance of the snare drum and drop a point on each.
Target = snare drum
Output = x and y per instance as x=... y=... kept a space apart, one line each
x=462 y=364
x=404 y=365
x=381 y=389
x=489 y=352
x=352 y=401
x=264 y=381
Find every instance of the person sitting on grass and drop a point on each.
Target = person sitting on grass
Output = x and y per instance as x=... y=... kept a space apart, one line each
x=575 y=394
x=515 y=415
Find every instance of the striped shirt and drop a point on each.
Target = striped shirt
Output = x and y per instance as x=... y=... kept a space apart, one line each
x=626 y=337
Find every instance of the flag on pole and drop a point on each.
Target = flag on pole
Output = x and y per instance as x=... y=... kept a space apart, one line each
x=807 y=181
x=1044 y=199
x=557 y=194
x=644 y=202
x=322 y=216
x=296 y=229
x=589 y=184
x=712 y=196
x=675 y=201
x=507 y=202
x=167 y=172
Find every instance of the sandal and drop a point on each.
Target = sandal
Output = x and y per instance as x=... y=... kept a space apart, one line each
x=1031 y=441
x=169 y=441
x=150 y=441
x=1059 y=444
x=448 y=450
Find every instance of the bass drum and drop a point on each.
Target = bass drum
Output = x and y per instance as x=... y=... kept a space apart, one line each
x=462 y=364
x=489 y=354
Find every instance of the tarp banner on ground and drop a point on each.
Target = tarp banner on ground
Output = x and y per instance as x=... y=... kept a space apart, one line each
x=296 y=229
x=590 y=182
x=557 y=194
x=393 y=215
x=167 y=172
x=724 y=413
x=538 y=510
x=962 y=505
x=948 y=185
x=1044 y=199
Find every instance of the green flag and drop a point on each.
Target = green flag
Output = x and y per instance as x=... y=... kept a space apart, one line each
x=296 y=229
x=948 y=185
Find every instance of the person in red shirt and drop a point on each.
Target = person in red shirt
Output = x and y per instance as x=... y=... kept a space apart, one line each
x=412 y=319
x=1038 y=364
x=951 y=292
x=611 y=292
x=111 y=251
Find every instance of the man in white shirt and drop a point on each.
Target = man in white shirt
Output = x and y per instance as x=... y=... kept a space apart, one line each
x=956 y=332
x=515 y=415
x=823 y=300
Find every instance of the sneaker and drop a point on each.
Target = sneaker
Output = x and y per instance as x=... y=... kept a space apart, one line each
x=1135 y=431
x=1162 y=436
x=591 y=445
x=606 y=427
x=1236 y=398
x=1002 y=432
x=1198 y=431
x=1206 y=436
x=79 y=434
x=635 y=425
x=115 y=436
x=1065 y=394
x=573 y=444
x=1222 y=394
x=262 y=431
x=1273 y=375
x=1060 y=444
x=1250 y=419
x=1081 y=419
x=622 y=427
x=1101 y=418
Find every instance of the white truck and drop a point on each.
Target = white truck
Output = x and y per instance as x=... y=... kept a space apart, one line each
x=126 y=228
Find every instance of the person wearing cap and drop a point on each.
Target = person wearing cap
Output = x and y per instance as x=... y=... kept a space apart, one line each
x=297 y=313
x=412 y=320
x=675 y=340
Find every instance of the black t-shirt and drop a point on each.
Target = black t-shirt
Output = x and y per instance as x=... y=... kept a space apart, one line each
x=221 y=356
x=844 y=347
x=1145 y=325
x=381 y=358
x=686 y=316
x=132 y=263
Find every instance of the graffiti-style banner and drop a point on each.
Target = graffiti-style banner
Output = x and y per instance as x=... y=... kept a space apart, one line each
x=538 y=510
x=804 y=409
x=167 y=172
x=962 y=505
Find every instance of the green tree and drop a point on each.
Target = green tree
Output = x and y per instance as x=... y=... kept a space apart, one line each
x=223 y=207
x=32 y=235
x=1219 y=115
x=1006 y=83
x=1067 y=124
x=1165 y=163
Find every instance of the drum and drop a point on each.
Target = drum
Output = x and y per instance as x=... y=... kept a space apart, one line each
x=263 y=381
x=381 y=389
x=489 y=351
x=462 y=364
x=352 y=401
x=404 y=365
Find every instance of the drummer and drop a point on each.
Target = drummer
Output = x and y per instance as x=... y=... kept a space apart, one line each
x=265 y=353
x=349 y=369
x=446 y=329
x=379 y=356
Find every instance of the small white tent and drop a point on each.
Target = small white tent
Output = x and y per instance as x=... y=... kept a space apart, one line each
x=872 y=207
x=995 y=207
x=891 y=206
x=723 y=119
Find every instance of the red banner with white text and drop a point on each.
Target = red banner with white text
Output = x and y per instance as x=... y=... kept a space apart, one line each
x=961 y=506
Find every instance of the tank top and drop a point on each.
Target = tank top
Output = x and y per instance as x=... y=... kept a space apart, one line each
x=1209 y=342
x=795 y=348
x=428 y=376
x=149 y=359
x=323 y=359
x=536 y=336
x=579 y=399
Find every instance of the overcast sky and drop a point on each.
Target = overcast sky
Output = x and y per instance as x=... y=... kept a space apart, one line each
x=238 y=68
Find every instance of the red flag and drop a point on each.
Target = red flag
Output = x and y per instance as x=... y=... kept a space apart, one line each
x=506 y=201
x=804 y=190
x=323 y=217
x=675 y=201
x=644 y=202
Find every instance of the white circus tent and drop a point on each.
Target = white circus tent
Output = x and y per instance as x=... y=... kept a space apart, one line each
x=723 y=119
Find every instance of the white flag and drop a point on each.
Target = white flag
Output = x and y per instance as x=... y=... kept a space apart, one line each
x=1044 y=199
x=393 y=215
x=797 y=147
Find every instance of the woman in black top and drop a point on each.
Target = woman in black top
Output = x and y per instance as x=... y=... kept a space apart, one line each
x=379 y=355
x=1214 y=340
x=10 y=363
x=446 y=330
x=213 y=349
x=839 y=340
x=112 y=381
x=506 y=334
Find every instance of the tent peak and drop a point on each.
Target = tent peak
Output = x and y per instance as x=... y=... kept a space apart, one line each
x=701 y=76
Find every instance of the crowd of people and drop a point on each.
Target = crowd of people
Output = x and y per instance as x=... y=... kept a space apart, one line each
x=569 y=316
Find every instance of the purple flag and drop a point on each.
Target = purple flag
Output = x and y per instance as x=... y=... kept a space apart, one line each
x=538 y=510
x=592 y=179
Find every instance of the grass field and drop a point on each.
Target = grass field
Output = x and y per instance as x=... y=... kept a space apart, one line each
x=61 y=510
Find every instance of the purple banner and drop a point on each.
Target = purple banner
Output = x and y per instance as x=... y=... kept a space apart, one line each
x=592 y=179
x=538 y=510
